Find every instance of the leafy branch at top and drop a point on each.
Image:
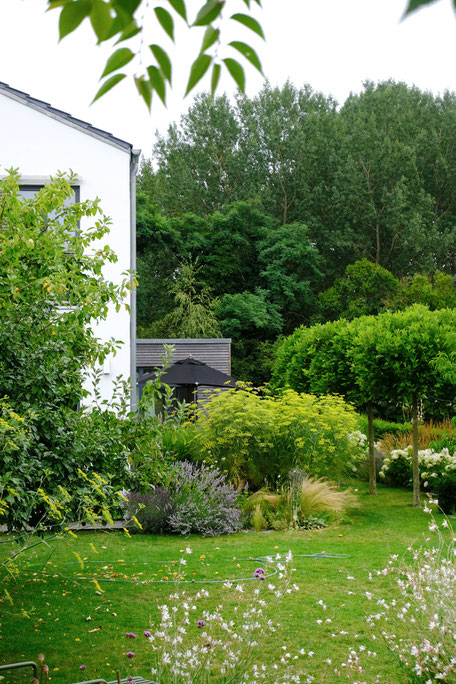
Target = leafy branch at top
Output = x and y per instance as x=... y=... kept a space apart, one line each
x=123 y=20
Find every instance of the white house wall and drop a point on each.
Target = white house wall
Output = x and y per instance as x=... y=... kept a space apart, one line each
x=39 y=145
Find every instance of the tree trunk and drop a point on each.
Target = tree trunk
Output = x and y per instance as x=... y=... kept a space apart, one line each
x=416 y=470
x=370 y=440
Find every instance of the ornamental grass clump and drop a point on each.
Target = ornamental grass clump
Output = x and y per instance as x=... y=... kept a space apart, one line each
x=304 y=502
x=195 y=644
x=317 y=495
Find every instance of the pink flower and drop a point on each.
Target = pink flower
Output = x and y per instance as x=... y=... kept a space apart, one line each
x=130 y=654
x=200 y=624
x=130 y=635
x=147 y=633
x=82 y=667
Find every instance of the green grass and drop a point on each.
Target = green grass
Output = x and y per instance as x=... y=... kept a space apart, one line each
x=58 y=604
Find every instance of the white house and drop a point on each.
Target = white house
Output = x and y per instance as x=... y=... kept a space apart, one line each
x=40 y=140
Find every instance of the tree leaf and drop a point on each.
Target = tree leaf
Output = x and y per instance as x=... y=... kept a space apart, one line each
x=53 y=4
x=248 y=52
x=211 y=35
x=128 y=6
x=107 y=85
x=72 y=15
x=128 y=32
x=216 y=70
x=117 y=60
x=101 y=20
x=250 y=22
x=209 y=12
x=236 y=71
x=197 y=71
x=163 y=60
x=413 y=5
x=144 y=89
x=179 y=7
x=157 y=82
x=166 y=21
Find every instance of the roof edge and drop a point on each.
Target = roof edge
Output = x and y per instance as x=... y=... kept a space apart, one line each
x=64 y=117
x=187 y=340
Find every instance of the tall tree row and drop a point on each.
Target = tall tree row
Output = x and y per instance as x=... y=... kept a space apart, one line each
x=273 y=197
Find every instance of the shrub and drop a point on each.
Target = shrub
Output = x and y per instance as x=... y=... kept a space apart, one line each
x=152 y=510
x=384 y=427
x=444 y=489
x=204 y=503
x=260 y=439
x=437 y=472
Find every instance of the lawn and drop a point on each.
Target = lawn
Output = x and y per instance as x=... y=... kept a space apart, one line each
x=57 y=612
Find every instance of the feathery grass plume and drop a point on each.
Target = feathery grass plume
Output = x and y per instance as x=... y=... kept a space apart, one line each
x=317 y=494
x=258 y=520
x=262 y=498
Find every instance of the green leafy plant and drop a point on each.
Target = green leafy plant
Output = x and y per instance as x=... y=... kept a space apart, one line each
x=258 y=439
x=51 y=292
x=129 y=20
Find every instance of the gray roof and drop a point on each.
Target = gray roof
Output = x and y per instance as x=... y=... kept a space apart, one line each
x=184 y=340
x=46 y=108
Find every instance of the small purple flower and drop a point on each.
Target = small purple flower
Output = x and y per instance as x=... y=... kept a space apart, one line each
x=259 y=573
x=200 y=624
x=82 y=667
x=130 y=635
x=147 y=633
x=130 y=654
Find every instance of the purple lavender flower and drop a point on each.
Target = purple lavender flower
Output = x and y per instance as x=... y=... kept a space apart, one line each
x=82 y=667
x=130 y=654
x=147 y=633
x=259 y=573
x=130 y=635
x=200 y=624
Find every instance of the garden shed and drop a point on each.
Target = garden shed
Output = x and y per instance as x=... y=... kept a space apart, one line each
x=215 y=353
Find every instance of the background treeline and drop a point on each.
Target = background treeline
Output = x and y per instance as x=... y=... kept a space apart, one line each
x=258 y=216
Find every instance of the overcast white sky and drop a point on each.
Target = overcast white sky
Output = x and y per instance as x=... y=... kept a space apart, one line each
x=334 y=45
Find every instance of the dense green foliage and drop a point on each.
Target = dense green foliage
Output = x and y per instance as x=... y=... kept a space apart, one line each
x=380 y=363
x=260 y=439
x=52 y=291
x=301 y=212
x=386 y=359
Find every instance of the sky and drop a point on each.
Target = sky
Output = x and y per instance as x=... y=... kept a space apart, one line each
x=333 y=45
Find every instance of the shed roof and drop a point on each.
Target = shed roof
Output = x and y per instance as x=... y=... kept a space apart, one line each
x=215 y=352
x=65 y=117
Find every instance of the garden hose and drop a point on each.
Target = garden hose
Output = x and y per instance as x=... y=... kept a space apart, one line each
x=256 y=559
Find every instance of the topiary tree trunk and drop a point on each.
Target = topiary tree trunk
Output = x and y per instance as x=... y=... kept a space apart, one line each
x=370 y=438
x=415 y=462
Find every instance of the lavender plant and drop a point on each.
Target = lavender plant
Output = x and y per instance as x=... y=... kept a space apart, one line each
x=204 y=502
